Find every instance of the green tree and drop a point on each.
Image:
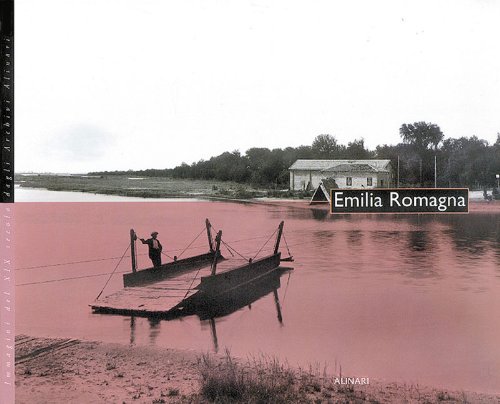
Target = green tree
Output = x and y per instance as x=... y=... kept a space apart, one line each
x=469 y=161
x=421 y=135
x=422 y=138
x=325 y=147
x=356 y=150
x=406 y=155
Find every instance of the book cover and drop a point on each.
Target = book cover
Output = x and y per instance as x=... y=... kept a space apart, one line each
x=254 y=201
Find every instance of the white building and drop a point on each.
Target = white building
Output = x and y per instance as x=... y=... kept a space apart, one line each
x=308 y=174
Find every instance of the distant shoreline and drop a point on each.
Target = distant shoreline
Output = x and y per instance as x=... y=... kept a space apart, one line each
x=152 y=187
x=192 y=190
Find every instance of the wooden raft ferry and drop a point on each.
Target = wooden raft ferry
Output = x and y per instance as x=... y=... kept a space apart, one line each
x=192 y=284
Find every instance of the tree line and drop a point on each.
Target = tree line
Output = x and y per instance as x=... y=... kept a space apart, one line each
x=466 y=161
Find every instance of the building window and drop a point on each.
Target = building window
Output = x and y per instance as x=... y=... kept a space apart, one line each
x=369 y=182
x=381 y=183
x=348 y=181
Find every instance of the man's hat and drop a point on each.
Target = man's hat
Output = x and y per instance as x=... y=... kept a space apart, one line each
x=155 y=233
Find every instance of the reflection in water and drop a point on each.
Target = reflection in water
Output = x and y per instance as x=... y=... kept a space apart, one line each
x=409 y=253
x=320 y=214
x=417 y=240
x=240 y=300
x=323 y=239
x=213 y=331
x=154 y=329
x=243 y=297
x=278 y=307
x=228 y=303
x=473 y=236
x=132 y=330
x=355 y=238
x=419 y=256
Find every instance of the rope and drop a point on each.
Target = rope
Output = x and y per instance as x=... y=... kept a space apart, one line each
x=197 y=272
x=227 y=248
x=106 y=284
x=204 y=245
x=231 y=248
x=288 y=249
x=167 y=255
x=195 y=276
x=189 y=245
x=126 y=256
x=69 y=279
x=265 y=243
x=246 y=239
x=70 y=263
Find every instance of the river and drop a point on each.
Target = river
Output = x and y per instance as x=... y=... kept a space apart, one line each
x=399 y=298
x=25 y=194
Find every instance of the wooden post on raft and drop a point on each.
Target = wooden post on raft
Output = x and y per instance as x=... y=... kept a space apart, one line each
x=278 y=238
x=209 y=234
x=217 y=251
x=133 y=237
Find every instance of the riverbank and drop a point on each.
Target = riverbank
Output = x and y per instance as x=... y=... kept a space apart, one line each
x=143 y=187
x=164 y=188
x=62 y=371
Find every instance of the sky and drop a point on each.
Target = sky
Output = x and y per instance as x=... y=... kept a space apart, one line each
x=127 y=84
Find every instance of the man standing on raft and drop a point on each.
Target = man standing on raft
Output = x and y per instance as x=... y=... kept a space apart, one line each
x=154 y=248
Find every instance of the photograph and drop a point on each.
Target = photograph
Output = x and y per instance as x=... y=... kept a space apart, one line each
x=253 y=201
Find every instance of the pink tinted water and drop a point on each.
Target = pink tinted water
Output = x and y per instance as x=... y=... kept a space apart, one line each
x=399 y=298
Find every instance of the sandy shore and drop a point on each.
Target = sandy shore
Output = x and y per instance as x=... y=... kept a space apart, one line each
x=72 y=371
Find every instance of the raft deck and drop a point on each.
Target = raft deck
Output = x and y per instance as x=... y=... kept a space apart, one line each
x=163 y=298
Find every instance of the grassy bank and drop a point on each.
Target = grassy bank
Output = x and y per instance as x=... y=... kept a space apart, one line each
x=147 y=187
x=62 y=371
